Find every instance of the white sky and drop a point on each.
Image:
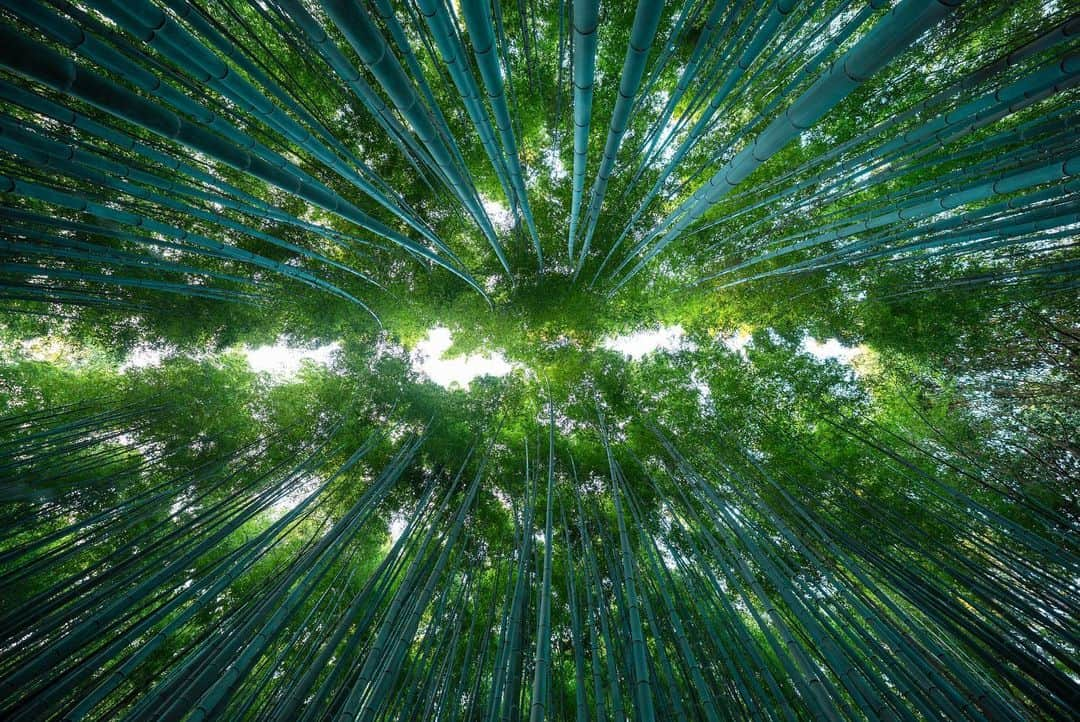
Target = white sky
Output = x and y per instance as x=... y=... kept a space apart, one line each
x=500 y=215
x=831 y=349
x=670 y=338
x=555 y=165
x=398 y=522
x=143 y=356
x=637 y=344
x=427 y=359
x=737 y=342
x=282 y=361
x=288 y=502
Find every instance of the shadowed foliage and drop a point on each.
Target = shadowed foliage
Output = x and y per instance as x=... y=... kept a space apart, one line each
x=787 y=292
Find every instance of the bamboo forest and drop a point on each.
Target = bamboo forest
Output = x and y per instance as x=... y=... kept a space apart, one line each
x=524 y=360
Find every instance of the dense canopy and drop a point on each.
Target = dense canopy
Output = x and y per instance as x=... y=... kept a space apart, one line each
x=785 y=297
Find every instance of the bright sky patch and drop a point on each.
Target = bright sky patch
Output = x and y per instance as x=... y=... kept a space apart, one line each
x=639 y=343
x=282 y=361
x=830 y=349
x=461 y=370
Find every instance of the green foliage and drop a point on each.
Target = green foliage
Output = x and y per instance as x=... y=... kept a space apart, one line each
x=736 y=527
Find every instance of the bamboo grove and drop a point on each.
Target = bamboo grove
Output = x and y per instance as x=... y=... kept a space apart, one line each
x=731 y=527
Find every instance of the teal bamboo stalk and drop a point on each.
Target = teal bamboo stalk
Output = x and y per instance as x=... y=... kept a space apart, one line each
x=542 y=675
x=887 y=39
x=646 y=20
